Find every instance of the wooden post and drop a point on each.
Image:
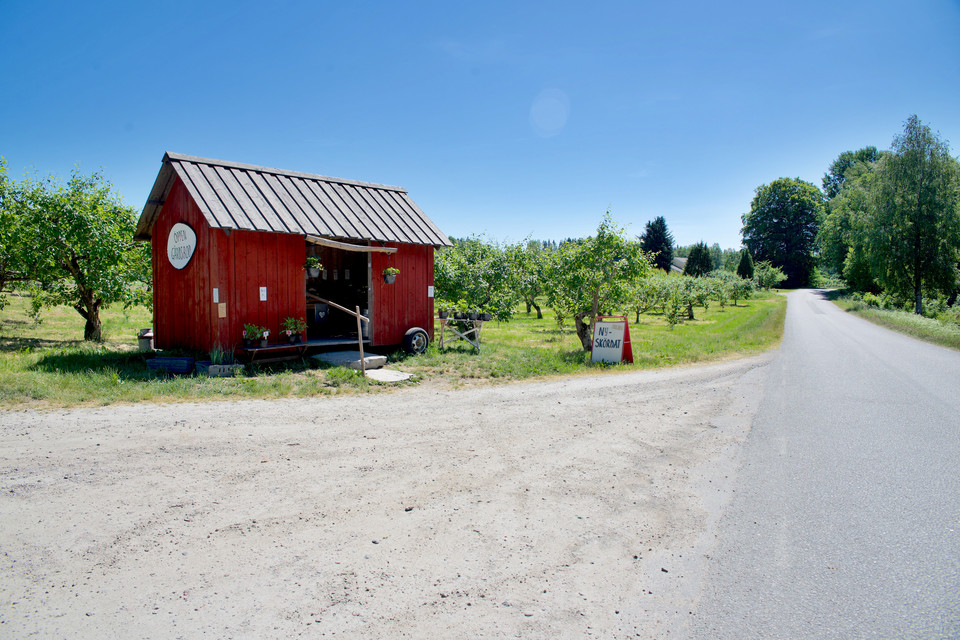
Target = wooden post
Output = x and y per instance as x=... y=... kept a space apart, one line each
x=363 y=363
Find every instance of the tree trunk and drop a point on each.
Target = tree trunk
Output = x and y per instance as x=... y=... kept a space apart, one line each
x=917 y=277
x=89 y=309
x=93 y=329
x=583 y=330
x=690 y=312
x=529 y=304
x=539 y=312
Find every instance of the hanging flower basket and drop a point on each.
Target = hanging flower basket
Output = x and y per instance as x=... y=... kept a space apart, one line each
x=390 y=275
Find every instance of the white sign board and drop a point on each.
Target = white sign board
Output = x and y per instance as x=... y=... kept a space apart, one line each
x=181 y=243
x=608 y=341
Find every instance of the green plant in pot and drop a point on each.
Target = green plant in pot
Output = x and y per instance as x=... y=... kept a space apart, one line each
x=293 y=328
x=313 y=266
x=221 y=364
x=390 y=274
x=252 y=333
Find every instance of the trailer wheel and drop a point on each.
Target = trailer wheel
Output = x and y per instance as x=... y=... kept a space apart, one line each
x=415 y=341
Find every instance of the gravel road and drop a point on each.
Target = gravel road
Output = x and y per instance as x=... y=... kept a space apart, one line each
x=564 y=509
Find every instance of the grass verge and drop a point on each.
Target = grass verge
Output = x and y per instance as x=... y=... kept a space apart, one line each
x=48 y=365
x=926 y=329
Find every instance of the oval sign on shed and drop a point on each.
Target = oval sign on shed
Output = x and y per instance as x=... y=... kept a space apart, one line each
x=181 y=243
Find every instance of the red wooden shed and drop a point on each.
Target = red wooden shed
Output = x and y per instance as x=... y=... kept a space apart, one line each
x=230 y=242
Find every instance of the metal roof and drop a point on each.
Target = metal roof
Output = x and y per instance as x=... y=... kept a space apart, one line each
x=242 y=196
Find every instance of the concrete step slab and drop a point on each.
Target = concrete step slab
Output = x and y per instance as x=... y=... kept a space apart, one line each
x=351 y=359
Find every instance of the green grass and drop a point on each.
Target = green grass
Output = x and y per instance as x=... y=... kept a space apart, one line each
x=930 y=330
x=48 y=364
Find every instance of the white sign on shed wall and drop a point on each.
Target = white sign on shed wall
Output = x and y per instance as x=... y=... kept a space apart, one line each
x=181 y=243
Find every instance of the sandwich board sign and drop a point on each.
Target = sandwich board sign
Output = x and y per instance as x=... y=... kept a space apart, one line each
x=611 y=340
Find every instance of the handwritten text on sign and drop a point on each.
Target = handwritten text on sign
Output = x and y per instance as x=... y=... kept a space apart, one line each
x=181 y=243
x=608 y=342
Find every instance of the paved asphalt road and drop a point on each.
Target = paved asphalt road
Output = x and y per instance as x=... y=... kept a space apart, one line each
x=845 y=522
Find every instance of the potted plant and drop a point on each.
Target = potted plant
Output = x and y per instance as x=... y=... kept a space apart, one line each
x=313 y=266
x=265 y=334
x=460 y=310
x=221 y=364
x=390 y=274
x=252 y=333
x=293 y=328
x=444 y=311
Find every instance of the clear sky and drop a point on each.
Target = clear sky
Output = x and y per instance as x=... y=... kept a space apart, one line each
x=509 y=119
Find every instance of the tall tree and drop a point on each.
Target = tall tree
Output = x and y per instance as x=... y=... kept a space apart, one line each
x=658 y=241
x=836 y=175
x=745 y=267
x=842 y=226
x=699 y=262
x=781 y=227
x=914 y=237
x=716 y=256
x=80 y=239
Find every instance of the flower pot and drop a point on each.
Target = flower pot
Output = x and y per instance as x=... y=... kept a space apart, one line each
x=473 y=315
x=459 y=315
x=313 y=273
x=263 y=342
x=444 y=315
x=486 y=317
x=247 y=342
x=224 y=370
x=389 y=278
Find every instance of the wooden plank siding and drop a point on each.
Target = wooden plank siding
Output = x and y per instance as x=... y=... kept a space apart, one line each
x=400 y=306
x=236 y=263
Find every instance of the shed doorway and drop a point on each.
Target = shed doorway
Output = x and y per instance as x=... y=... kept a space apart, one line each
x=344 y=280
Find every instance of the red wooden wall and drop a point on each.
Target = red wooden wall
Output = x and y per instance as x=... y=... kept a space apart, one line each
x=237 y=263
x=403 y=304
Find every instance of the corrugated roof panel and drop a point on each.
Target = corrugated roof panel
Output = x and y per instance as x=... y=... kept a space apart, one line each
x=388 y=221
x=260 y=180
x=404 y=212
x=326 y=224
x=332 y=204
x=363 y=220
x=240 y=196
x=257 y=202
x=241 y=219
x=277 y=196
x=283 y=186
x=209 y=200
x=439 y=237
x=386 y=205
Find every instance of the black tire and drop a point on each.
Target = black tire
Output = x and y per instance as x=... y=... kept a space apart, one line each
x=416 y=341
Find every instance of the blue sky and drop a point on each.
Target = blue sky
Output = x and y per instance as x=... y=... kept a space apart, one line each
x=508 y=119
